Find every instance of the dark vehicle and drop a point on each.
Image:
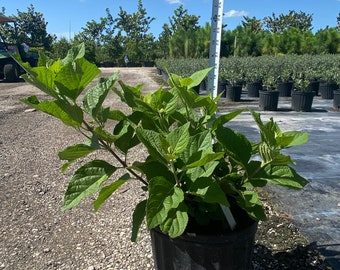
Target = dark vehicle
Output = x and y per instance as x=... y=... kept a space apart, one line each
x=9 y=68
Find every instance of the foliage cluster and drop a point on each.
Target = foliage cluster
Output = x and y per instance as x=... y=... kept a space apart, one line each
x=196 y=166
x=110 y=38
x=265 y=68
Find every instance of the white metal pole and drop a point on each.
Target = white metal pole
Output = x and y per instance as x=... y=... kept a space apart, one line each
x=214 y=61
x=215 y=45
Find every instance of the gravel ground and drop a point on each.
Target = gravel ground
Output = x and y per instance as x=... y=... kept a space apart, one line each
x=35 y=234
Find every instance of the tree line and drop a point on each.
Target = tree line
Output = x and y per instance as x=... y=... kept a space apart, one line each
x=110 y=38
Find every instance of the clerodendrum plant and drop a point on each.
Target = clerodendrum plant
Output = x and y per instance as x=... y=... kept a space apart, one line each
x=195 y=163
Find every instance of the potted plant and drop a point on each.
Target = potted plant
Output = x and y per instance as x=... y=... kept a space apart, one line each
x=234 y=84
x=302 y=97
x=329 y=84
x=201 y=178
x=254 y=81
x=285 y=83
x=313 y=77
x=336 y=98
x=269 y=96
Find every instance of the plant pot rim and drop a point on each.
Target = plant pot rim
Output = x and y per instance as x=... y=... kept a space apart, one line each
x=211 y=238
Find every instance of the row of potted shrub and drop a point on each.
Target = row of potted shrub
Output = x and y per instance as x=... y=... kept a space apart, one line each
x=306 y=73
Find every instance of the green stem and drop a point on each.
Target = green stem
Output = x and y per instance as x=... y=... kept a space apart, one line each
x=118 y=158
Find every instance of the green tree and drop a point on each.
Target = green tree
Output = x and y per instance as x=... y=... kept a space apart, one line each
x=92 y=35
x=182 y=20
x=134 y=30
x=31 y=29
x=60 y=48
x=327 y=41
x=185 y=36
x=299 y=20
x=252 y=24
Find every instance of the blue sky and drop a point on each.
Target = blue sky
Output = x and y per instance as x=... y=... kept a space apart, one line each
x=66 y=17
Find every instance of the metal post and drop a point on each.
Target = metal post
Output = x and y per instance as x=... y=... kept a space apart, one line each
x=215 y=45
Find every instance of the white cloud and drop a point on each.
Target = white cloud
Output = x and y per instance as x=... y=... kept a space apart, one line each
x=174 y=1
x=236 y=13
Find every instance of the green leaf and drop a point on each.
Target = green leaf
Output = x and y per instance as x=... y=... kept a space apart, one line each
x=86 y=181
x=176 y=221
x=235 y=144
x=43 y=79
x=273 y=156
x=282 y=175
x=185 y=82
x=127 y=139
x=57 y=109
x=209 y=190
x=152 y=169
x=163 y=196
x=201 y=158
x=199 y=76
x=137 y=219
x=76 y=52
x=225 y=118
x=152 y=142
x=199 y=142
x=72 y=79
x=101 y=133
x=107 y=191
x=250 y=201
x=292 y=138
x=178 y=139
x=96 y=95
x=74 y=152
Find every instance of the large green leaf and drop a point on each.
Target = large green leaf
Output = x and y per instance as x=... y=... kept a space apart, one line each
x=107 y=191
x=74 y=77
x=96 y=95
x=163 y=196
x=74 y=152
x=271 y=155
x=198 y=77
x=86 y=181
x=199 y=142
x=178 y=139
x=76 y=52
x=43 y=79
x=235 y=144
x=250 y=201
x=292 y=138
x=210 y=191
x=57 y=109
x=282 y=175
x=176 y=221
x=137 y=219
x=221 y=120
x=152 y=141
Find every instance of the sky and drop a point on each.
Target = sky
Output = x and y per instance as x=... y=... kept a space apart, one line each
x=67 y=17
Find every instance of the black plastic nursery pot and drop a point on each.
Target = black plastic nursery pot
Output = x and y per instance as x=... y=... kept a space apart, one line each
x=314 y=87
x=302 y=101
x=233 y=92
x=254 y=88
x=221 y=88
x=201 y=87
x=285 y=88
x=268 y=100
x=327 y=90
x=336 y=101
x=231 y=251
